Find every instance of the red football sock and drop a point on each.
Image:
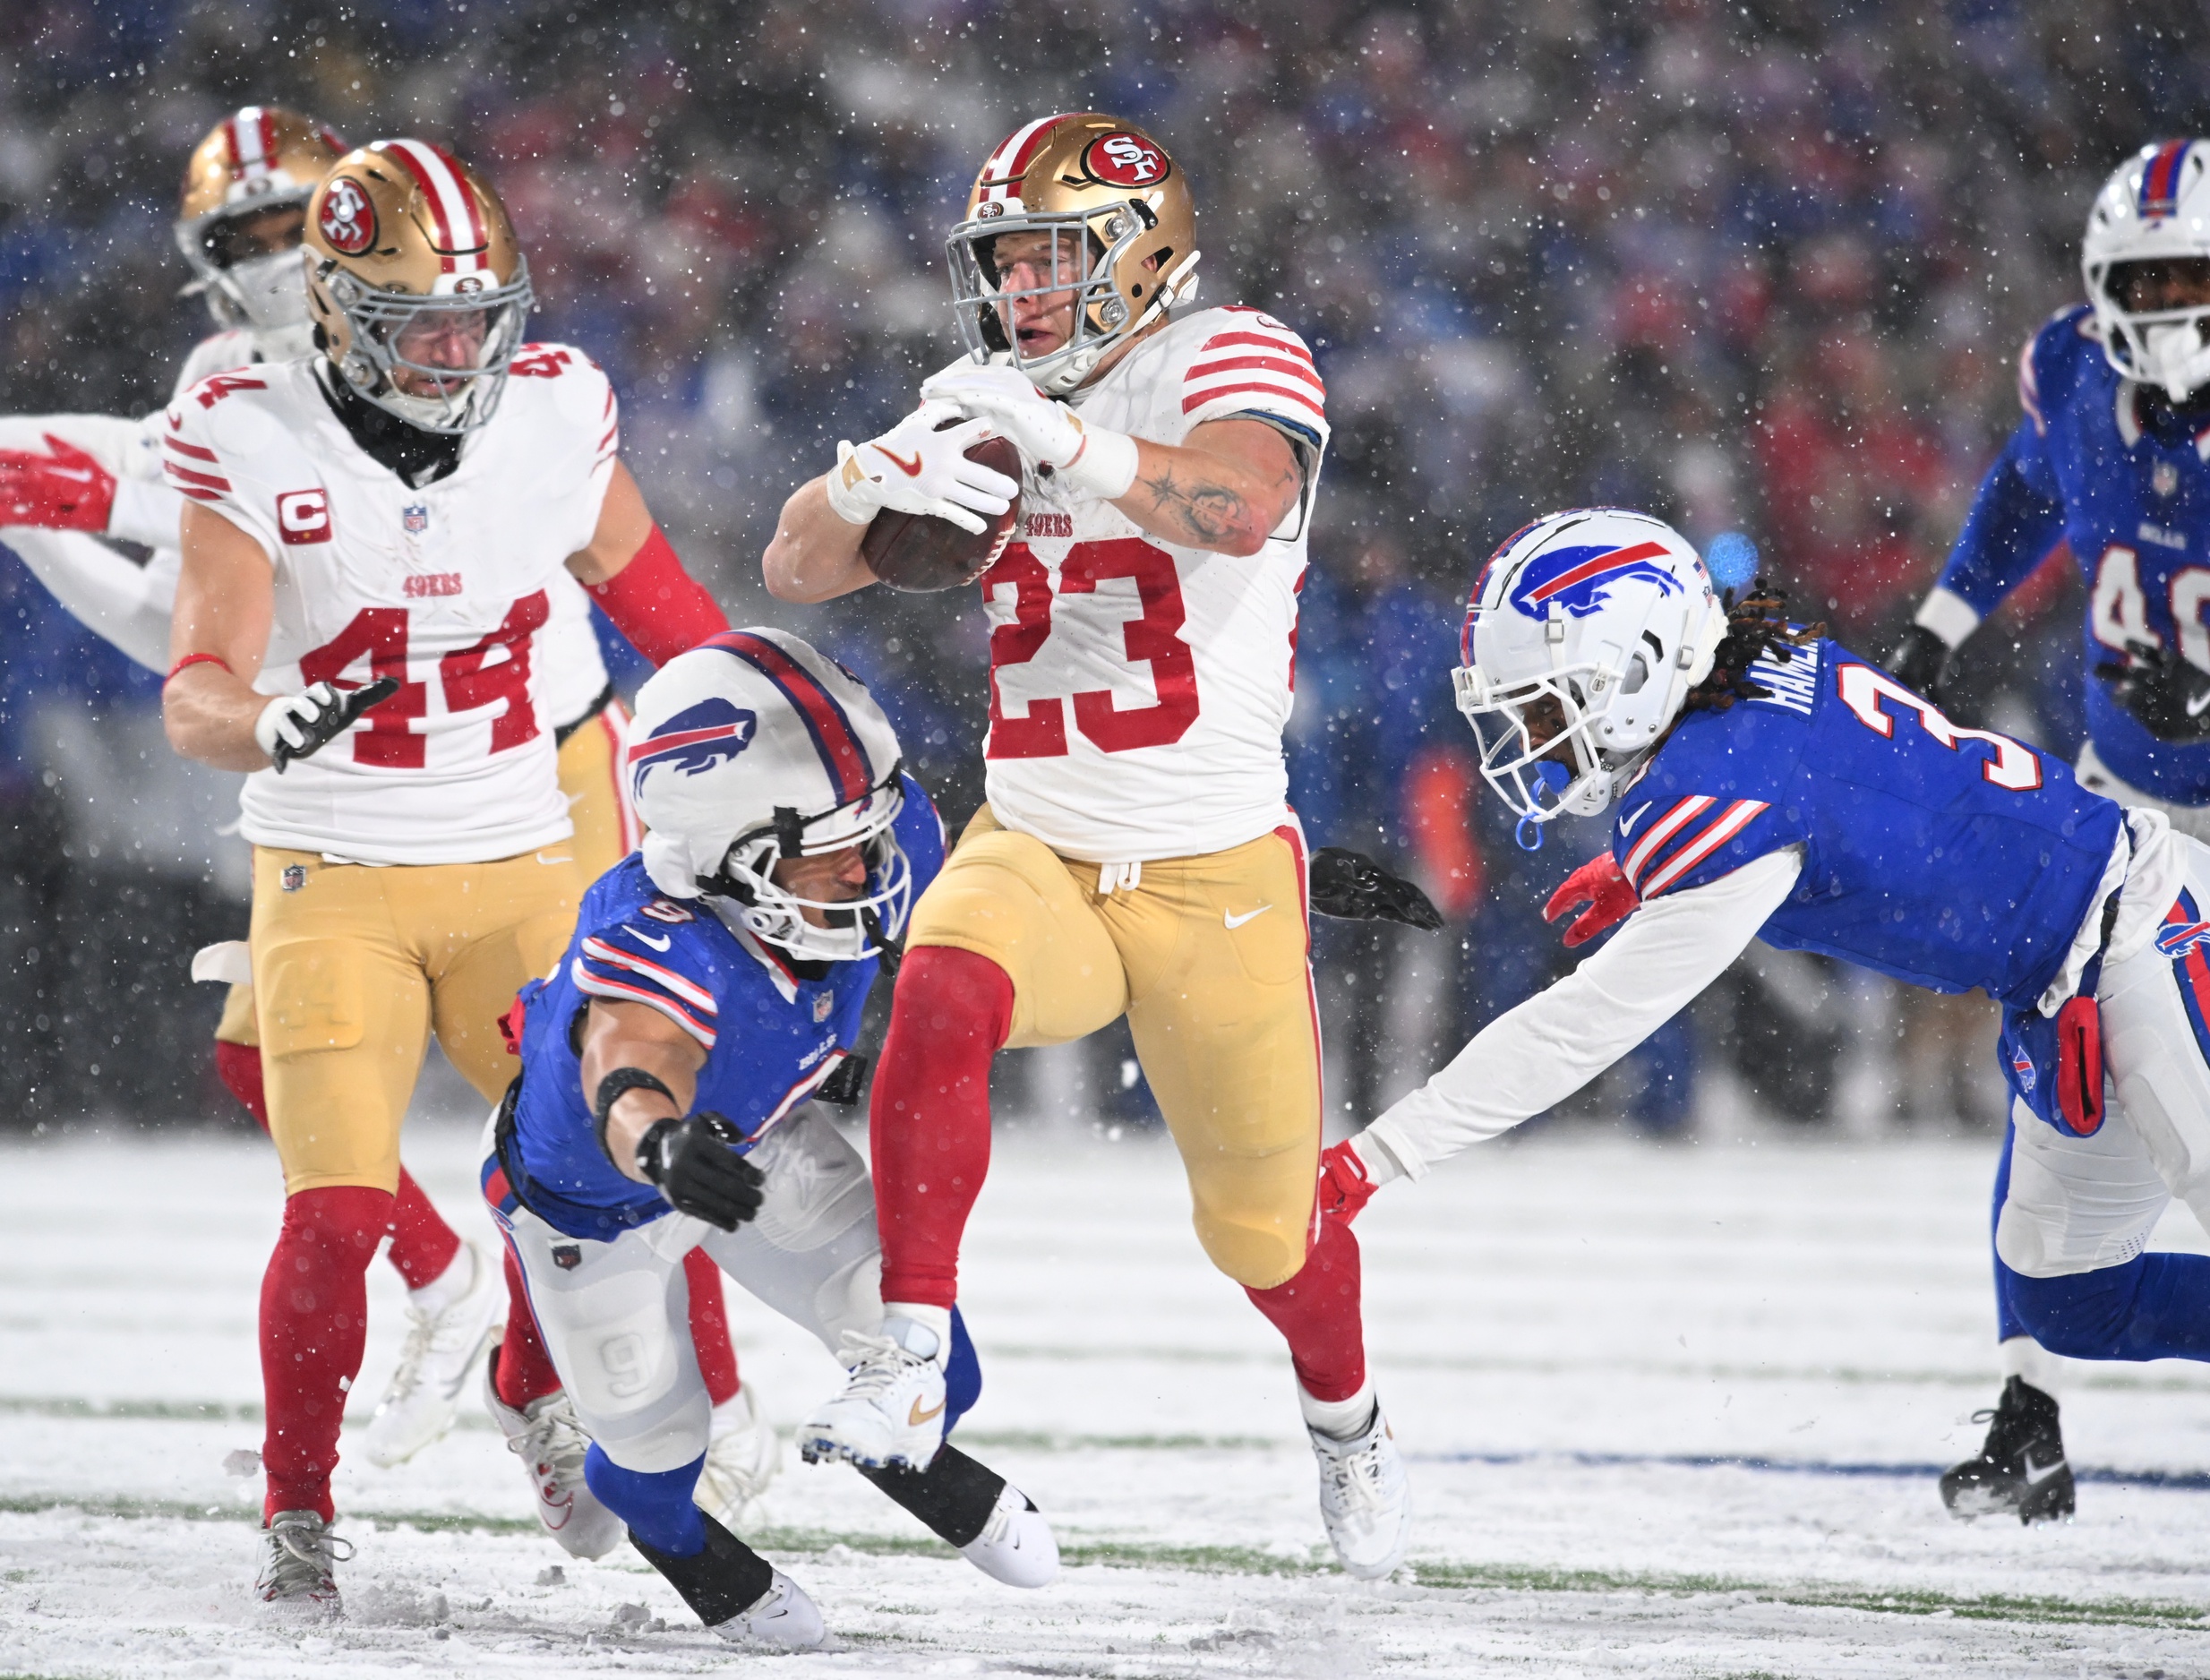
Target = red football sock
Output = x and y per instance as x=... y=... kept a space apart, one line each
x=1317 y=1314
x=929 y=1120
x=313 y=1316
x=423 y=1245
x=709 y=1326
x=525 y=1370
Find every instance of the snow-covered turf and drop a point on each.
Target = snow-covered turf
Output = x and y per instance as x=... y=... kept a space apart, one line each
x=1670 y=1412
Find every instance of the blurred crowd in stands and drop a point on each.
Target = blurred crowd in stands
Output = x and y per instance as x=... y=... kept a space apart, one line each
x=1759 y=266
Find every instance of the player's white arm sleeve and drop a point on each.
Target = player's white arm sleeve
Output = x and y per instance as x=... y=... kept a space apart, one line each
x=1948 y=615
x=1541 y=1053
x=125 y=604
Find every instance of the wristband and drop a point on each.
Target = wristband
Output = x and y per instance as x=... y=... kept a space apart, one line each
x=610 y=1089
x=189 y=660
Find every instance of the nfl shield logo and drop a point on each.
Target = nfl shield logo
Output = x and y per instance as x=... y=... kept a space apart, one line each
x=294 y=877
x=567 y=1257
x=415 y=518
x=822 y=1005
x=2165 y=478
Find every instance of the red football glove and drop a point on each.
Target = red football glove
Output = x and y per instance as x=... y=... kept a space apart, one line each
x=1598 y=884
x=66 y=491
x=1344 y=1188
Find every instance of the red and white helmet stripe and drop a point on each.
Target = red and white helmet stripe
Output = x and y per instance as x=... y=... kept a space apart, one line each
x=458 y=233
x=1006 y=165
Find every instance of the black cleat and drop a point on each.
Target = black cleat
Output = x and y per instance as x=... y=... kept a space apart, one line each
x=2020 y=1470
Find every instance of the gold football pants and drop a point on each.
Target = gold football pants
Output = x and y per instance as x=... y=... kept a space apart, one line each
x=1208 y=957
x=354 y=968
x=606 y=830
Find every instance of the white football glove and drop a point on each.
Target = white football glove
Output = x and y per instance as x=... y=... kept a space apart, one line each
x=1086 y=460
x=299 y=725
x=915 y=469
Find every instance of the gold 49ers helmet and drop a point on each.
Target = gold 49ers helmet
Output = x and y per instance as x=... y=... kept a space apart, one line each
x=1125 y=239
x=416 y=286
x=258 y=158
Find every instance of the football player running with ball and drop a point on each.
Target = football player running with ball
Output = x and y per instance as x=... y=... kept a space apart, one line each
x=67 y=482
x=370 y=543
x=716 y=981
x=2109 y=457
x=1768 y=785
x=1137 y=856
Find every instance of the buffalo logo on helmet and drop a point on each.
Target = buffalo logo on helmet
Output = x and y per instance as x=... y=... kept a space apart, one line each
x=347 y=221
x=1579 y=580
x=694 y=740
x=1125 y=159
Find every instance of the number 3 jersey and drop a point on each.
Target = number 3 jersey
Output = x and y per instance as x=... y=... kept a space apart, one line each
x=445 y=589
x=1138 y=688
x=1949 y=858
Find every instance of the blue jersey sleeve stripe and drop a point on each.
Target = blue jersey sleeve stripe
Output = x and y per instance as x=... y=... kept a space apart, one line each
x=621 y=991
x=697 y=995
x=1724 y=827
x=1660 y=831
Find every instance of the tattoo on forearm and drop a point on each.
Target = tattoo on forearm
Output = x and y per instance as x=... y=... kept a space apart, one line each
x=1205 y=513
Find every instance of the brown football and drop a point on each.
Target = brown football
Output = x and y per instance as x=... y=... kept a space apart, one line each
x=920 y=554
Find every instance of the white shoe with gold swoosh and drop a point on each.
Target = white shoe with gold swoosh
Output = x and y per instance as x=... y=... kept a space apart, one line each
x=891 y=1411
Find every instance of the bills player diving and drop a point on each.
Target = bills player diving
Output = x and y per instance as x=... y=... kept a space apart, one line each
x=1769 y=785
x=67 y=482
x=715 y=982
x=2111 y=457
x=371 y=541
x=1136 y=855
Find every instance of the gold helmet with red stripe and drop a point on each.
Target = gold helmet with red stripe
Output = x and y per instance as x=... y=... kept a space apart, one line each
x=259 y=162
x=1124 y=239
x=416 y=284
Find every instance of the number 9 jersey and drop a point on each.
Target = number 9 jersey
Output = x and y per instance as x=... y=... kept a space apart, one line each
x=1138 y=689
x=444 y=588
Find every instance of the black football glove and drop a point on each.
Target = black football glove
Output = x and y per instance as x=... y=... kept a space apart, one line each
x=300 y=725
x=699 y=1174
x=1351 y=885
x=1921 y=661
x=2157 y=685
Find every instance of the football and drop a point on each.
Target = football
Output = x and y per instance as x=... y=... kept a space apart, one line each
x=919 y=553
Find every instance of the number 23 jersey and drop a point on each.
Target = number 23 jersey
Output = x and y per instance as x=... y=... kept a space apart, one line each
x=444 y=588
x=1138 y=688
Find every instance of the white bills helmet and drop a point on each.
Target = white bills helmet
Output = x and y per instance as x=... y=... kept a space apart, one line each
x=2157 y=208
x=751 y=748
x=1608 y=614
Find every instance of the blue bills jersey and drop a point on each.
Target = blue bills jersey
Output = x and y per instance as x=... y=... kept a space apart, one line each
x=1951 y=858
x=773 y=1031
x=2126 y=481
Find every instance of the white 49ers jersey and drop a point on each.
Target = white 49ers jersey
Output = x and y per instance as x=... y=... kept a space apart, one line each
x=1138 y=689
x=446 y=589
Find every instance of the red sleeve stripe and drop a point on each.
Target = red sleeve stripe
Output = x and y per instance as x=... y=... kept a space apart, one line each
x=190 y=450
x=199 y=495
x=599 y=986
x=1301 y=370
x=1659 y=832
x=689 y=991
x=183 y=476
x=612 y=431
x=1731 y=822
x=1197 y=399
x=1262 y=341
x=2029 y=390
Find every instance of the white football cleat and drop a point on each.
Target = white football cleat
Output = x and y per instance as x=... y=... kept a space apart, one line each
x=298 y=1577
x=1017 y=1544
x=441 y=1349
x=551 y=1444
x=891 y=1411
x=783 y=1617
x=1364 y=1499
x=743 y=1454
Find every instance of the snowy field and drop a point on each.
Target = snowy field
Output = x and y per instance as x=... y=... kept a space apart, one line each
x=1669 y=1411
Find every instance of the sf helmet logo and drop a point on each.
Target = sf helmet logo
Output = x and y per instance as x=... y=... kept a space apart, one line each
x=1127 y=160
x=1580 y=579
x=694 y=740
x=347 y=222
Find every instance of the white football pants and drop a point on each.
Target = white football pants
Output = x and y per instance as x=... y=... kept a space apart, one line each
x=616 y=1315
x=2076 y=1205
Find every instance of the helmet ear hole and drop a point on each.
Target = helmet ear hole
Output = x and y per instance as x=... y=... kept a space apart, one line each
x=1638 y=673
